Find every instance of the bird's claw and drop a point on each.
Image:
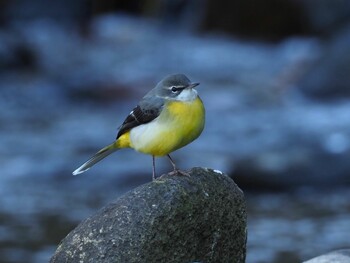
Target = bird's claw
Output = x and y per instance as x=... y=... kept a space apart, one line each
x=179 y=172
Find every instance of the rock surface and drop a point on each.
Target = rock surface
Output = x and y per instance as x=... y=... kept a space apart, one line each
x=338 y=256
x=199 y=218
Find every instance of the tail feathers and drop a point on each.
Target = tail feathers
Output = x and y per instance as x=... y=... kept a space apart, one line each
x=101 y=154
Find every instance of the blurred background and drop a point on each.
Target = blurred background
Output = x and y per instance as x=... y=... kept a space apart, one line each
x=275 y=79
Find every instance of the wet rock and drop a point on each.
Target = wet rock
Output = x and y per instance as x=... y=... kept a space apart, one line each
x=197 y=218
x=338 y=256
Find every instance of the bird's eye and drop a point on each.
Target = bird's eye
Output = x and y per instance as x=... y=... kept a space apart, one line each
x=174 y=89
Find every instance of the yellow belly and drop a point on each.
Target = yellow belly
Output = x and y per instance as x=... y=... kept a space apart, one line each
x=178 y=124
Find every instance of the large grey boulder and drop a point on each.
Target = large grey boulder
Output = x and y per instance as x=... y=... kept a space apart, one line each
x=338 y=256
x=196 y=218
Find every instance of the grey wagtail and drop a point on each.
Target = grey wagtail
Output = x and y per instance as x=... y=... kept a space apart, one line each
x=167 y=118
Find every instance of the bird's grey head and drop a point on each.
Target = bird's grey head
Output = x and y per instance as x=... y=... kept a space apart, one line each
x=176 y=87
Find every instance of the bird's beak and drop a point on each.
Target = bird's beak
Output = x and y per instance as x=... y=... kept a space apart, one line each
x=192 y=85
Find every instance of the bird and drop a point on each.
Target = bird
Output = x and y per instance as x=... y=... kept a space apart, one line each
x=167 y=118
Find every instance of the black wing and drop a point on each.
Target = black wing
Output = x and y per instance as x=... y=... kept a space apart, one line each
x=141 y=114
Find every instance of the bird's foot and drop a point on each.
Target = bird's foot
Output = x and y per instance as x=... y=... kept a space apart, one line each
x=180 y=172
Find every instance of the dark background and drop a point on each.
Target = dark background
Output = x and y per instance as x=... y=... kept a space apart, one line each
x=274 y=78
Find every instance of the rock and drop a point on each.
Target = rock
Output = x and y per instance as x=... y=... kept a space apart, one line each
x=338 y=256
x=172 y=219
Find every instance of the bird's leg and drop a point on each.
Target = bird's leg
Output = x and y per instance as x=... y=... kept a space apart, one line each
x=176 y=171
x=154 y=168
x=172 y=162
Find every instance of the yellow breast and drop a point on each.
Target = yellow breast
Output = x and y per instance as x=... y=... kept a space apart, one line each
x=178 y=124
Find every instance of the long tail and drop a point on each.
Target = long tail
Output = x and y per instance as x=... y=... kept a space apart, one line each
x=101 y=154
